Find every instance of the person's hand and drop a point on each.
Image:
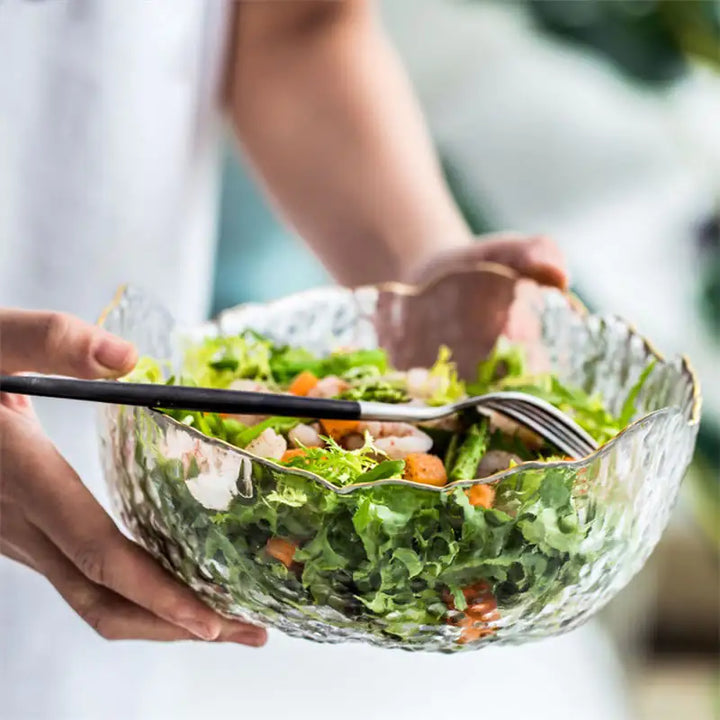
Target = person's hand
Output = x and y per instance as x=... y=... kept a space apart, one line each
x=535 y=258
x=50 y=522
x=465 y=307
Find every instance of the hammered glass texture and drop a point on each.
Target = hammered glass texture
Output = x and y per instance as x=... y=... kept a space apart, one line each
x=623 y=493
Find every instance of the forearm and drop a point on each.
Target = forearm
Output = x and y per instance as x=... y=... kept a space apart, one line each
x=326 y=117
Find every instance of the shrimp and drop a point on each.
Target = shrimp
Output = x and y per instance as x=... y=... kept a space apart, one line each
x=421 y=385
x=398 y=448
x=416 y=381
x=396 y=439
x=305 y=435
x=246 y=385
x=268 y=445
x=329 y=387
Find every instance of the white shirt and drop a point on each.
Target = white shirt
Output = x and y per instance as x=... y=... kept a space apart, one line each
x=108 y=174
x=109 y=150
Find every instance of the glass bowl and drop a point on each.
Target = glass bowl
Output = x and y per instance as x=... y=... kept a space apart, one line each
x=525 y=574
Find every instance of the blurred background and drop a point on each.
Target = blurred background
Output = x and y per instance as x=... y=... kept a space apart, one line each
x=596 y=122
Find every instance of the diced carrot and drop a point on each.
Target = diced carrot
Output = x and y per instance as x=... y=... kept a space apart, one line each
x=477 y=592
x=282 y=550
x=474 y=594
x=297 y=453
x=425 y=468
x=293 y=453
x=481 y=496
x=473 y=628
x=338 y=429
x=303 y=383
x=484 y=611
x=481 y=602
x=481 y=610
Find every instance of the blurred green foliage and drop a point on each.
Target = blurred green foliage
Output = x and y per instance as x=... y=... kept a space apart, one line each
x=706 y=481
x=651 y=41
x=709 y=280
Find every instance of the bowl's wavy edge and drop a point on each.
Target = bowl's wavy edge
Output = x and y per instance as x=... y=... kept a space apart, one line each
x=686 y=368
x=116 y=299
x=605 y=449
x=408 y=289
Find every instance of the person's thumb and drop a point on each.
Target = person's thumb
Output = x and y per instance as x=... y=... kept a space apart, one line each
x=60 y=344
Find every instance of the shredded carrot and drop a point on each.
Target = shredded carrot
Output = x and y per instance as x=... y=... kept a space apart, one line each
x=303 y=383
x=293 y=453
x=481 y=496
x=338 y=429
x=282 y=550
x=425 y=468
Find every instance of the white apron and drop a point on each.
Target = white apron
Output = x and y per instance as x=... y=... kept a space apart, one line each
x=108 y=174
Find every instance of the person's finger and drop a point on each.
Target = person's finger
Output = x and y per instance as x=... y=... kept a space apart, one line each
x=110 y=615
x=18 y=403
x=60 y=344
x=17 y=554
x=73 y=520
x=116 y=618
x=535 y=258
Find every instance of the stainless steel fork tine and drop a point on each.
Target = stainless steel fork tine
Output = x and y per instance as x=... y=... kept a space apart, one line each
x=559 y=421
x=583 y=437
x=544 y=410
x=548 y=431
x=560 y=429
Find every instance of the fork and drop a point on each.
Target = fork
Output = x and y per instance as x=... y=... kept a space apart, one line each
x=529 y=411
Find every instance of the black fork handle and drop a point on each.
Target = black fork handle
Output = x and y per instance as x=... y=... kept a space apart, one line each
x=180 y=397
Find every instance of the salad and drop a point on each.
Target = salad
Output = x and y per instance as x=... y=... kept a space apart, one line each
x=429 y=548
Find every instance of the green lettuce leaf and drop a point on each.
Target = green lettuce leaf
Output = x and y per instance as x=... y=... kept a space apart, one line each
x=216 y=362
x=444 y=373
